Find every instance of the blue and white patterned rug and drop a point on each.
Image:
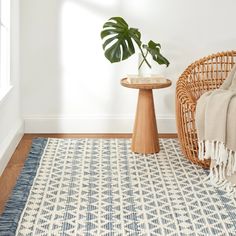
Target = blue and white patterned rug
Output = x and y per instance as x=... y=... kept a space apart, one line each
x=98 y=187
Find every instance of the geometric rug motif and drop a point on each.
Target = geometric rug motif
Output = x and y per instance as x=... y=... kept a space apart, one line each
x=99 y=187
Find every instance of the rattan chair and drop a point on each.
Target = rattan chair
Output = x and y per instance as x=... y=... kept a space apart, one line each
x=203 y=75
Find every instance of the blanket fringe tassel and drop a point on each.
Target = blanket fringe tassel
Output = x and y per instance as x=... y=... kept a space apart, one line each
x=224 y=164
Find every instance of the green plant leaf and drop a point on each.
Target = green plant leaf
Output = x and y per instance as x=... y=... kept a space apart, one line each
x=119 y=39
x=154 y=49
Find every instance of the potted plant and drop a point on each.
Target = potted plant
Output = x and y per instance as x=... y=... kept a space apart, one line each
x=119 y=42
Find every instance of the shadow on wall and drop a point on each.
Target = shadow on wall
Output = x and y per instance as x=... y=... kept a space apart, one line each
x=88 y=87
x=68 y=84
x=67 y=81
x=40 y=64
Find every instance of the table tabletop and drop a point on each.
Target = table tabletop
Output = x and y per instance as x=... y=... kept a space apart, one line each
x=158 y=85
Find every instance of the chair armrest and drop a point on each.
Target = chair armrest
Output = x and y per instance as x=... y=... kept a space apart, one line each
x=184 y=95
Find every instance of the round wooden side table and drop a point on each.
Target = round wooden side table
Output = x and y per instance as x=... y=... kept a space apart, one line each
x=145 y=135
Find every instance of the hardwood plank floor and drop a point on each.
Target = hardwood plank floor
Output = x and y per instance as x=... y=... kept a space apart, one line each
x=12 y=171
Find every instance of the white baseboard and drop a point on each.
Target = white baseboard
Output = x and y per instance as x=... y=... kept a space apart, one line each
x=91 y=124
x=9 y=144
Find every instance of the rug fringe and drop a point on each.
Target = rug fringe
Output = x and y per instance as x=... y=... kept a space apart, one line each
x=14 y=206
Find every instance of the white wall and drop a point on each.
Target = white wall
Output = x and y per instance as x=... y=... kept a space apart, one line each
x=11 y=123
x=69 y=86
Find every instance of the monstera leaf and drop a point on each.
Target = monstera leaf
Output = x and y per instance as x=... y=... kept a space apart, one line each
x=119 y=39
x=154 y=49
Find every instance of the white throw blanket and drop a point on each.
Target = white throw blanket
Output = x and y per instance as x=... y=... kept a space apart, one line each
x=216 y=130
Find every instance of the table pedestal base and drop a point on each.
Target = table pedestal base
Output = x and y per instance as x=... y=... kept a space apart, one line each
x=145 y=135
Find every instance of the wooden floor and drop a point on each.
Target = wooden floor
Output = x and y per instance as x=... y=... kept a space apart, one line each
x=12 y=171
